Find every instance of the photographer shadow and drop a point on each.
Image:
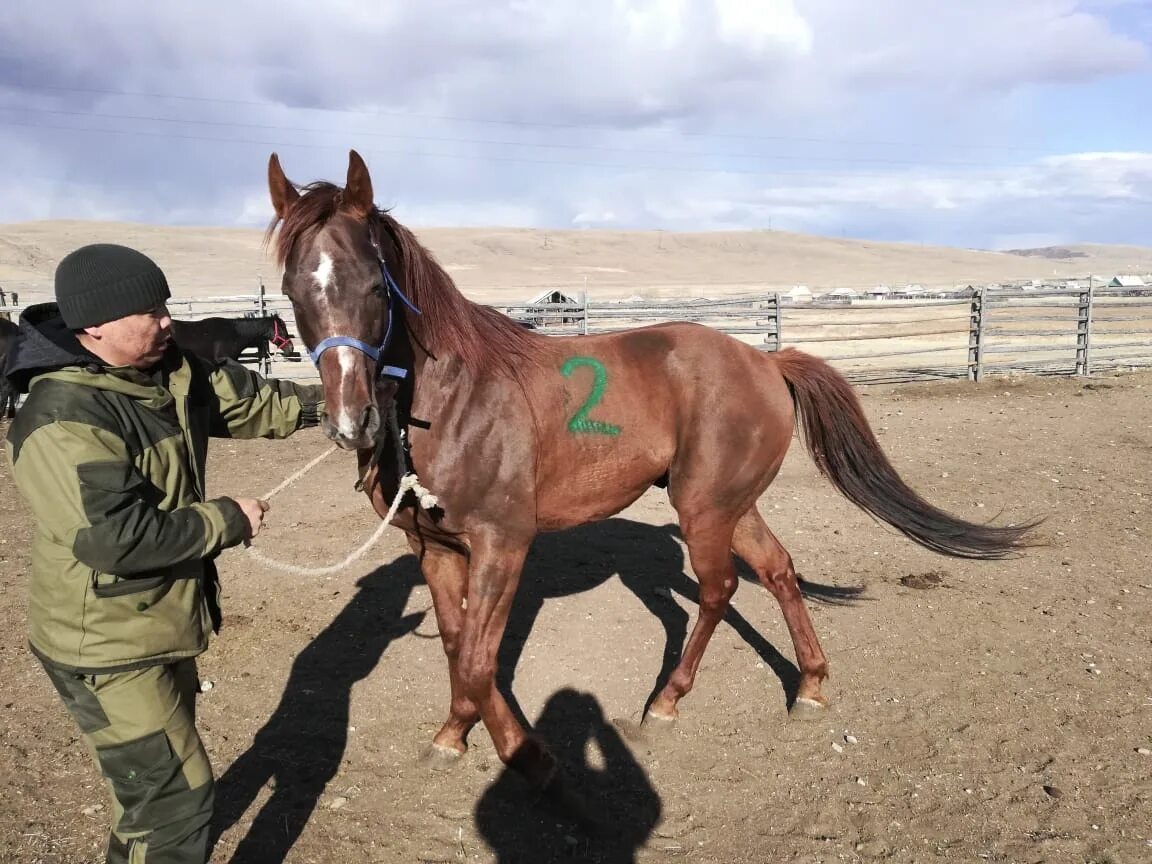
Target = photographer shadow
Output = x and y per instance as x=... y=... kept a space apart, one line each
x=608 y=809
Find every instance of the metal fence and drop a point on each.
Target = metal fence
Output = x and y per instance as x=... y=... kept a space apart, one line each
x=994 y=331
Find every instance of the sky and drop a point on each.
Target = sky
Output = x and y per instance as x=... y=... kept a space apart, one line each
x=994 y=125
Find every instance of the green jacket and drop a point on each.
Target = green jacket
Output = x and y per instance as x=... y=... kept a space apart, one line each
x=111 y=463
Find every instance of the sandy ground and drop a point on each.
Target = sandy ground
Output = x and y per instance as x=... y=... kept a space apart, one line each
x=982 y=711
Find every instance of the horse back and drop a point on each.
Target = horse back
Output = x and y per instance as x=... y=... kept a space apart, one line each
x=616 y=412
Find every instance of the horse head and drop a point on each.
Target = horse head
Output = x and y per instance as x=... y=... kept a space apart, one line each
x=280 y=339
x=337 y=274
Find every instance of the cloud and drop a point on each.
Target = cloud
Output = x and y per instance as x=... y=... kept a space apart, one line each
x=969 y=47
x=1078 y=197
x=891 y=118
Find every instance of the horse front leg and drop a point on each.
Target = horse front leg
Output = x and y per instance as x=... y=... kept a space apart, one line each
x=446 y=572
x=493 y=576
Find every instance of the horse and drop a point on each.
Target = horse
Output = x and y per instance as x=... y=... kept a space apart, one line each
x=8 y=332
x=219 y=339
x=519 y=433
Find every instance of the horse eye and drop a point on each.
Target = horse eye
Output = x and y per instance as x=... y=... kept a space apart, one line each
x=378 y=289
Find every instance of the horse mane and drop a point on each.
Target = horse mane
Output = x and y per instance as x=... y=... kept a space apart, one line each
x=485 y=340
x=318 y=202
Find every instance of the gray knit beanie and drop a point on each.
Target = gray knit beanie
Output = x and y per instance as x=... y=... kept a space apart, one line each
x=103 y=282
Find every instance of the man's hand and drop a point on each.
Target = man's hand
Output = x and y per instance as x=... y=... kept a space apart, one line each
x=254 y=509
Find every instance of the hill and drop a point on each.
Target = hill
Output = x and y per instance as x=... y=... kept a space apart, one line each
x=510 y=264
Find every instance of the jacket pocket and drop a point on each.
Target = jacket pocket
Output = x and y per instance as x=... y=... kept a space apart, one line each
x=124 y=586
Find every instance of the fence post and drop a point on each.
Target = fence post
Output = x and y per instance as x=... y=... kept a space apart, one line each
x=265 y=354
x=1084 y=330
x=584 y=324
x=779 y=317
x=976 y=336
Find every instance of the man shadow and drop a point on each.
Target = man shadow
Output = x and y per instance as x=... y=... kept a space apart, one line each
x=650 y=562
x=299 y=749
x=616 y=806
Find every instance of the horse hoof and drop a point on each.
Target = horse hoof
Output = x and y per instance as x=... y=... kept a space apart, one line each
x=807 y=709
x=441 y=758
x=659 y=723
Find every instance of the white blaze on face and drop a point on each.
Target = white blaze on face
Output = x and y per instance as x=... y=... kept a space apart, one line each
x=323 y=273
x=347 y=422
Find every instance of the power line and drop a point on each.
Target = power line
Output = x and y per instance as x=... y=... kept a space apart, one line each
x=472 y=157
x=475 y=157
x=548 y=145
x=540 y=124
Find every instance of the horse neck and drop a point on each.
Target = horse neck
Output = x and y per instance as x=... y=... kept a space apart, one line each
x=253 y=330
x=450 y=323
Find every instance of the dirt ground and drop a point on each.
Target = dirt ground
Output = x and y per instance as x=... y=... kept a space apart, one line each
x=981 y=711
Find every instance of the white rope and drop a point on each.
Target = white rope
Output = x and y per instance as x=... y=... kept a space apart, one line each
x=408 y=481
x=319 y=571
x=268 y=495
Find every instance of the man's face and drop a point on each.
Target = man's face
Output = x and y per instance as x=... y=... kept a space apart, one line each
x=135 y=340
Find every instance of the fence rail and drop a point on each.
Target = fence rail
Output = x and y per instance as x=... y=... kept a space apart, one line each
x=1072 y=331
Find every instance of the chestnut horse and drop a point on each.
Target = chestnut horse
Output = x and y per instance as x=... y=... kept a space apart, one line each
x=518 y=433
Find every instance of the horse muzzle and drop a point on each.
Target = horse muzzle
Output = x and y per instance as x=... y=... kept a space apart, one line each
x=352 y=430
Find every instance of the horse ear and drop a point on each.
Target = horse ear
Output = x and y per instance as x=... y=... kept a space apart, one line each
x=358 y=188
x=283 y=193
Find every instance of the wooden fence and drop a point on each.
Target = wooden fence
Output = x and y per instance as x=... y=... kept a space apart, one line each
x=995 y=331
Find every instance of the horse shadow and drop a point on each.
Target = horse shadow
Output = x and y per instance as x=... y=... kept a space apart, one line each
x=650 y=562
x=618 y=807
x=299 y=749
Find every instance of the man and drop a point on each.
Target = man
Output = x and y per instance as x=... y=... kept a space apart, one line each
x=109 y=451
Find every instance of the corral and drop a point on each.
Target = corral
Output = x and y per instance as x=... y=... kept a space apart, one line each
x=981 y=711
x=1047 y=330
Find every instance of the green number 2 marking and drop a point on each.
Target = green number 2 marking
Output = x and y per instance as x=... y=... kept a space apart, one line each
x=580 y=422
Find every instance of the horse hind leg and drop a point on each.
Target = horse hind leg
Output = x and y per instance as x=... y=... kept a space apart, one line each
x=708 y=542
x=758 y=546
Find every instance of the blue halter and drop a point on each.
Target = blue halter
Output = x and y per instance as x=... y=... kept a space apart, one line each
x=374 y=353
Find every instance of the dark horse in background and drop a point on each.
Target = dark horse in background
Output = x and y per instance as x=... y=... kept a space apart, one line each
x=519 y=433
x=8 y=332
x=220 y=339
x=215 y=339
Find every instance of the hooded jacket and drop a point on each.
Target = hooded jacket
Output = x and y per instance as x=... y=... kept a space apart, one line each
x=111 y=461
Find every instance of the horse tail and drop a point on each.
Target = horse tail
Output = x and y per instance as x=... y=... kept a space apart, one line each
x=846 y=451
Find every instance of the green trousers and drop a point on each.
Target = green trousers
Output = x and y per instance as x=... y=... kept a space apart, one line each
x=140 y=727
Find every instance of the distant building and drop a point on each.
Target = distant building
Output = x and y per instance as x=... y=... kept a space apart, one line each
x=841 y=294
x=798 y=294
x=1126 y=282
x=552 y=295
x=553 y=307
